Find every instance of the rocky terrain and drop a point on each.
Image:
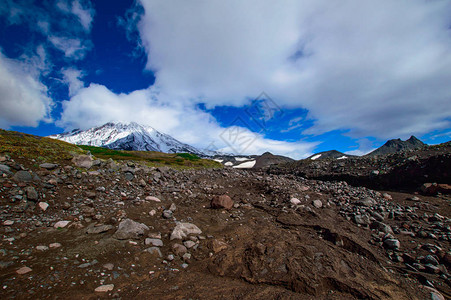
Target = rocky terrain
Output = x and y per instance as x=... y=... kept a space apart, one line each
x=84 y=228
x=406 y=170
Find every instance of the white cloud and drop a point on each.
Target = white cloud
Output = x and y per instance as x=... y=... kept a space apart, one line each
x=73 y=48
x=378 y=68
x=96 y=105
x=72 y=77
x=365 y=147
x=23 y=99
x=82 y=10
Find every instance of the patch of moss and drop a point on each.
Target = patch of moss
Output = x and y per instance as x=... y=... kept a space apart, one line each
x=42 y=149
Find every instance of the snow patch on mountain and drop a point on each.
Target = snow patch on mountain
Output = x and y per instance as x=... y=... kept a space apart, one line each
x=127 y=136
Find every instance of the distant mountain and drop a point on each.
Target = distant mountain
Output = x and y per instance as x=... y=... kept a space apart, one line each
x=397 y=145
x=267 y=159
x=334 y=154
x=127 y=136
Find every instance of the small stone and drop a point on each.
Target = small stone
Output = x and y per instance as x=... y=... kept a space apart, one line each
x=42 y=248
x=429 y=259
x=170 y=257
x=48 y=166
x=154 y=251
x=24 y=270
x=99 y=229
x=167 y=214
x=129 y=176
x=8 y=222
x=218 y=245
x=154 y=242
x=362 y=219
x=387 y=196
x=295 y=201
x=43 y=205
x=61 y=224
x=104 y=288
x=366 y=202
x=392 y=244
x=223 y=201
x=186 y=256
x=54 y=245
x=317 y=203
x=152 y=212
x=189 y=244
x=185 y=265
x=32 y=194
x=152 y=198
x=179 y=249
x=173 y=207
x=108 y=266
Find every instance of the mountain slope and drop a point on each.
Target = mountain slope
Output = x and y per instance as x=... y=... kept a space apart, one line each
x=397 y=145
x=329 y=154
x=127 y=136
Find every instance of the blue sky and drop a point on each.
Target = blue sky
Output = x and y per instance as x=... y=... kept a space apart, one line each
x=238 y=76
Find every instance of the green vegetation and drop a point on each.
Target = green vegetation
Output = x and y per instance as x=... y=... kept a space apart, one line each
x=188 y=156
x=153 y=158
x=40 y=148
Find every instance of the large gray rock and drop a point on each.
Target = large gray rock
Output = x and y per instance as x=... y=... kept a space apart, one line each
x=182 y=230
x=129 y=229
x=82 y=161
x=32 y=194
x=392 y=244
x=366 y=202
x=48 y=166
x=99 y=229
x=5 y=169
x=23 y=176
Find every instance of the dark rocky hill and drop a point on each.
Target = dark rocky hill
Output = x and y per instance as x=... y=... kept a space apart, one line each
x=329 y=154
x=397 y=145
x=267 y=159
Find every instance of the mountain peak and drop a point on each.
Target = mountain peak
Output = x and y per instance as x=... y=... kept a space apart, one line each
x=397 y=145
x=127 y=136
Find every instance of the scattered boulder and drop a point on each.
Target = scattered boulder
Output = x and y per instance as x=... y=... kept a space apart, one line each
x=61 y=224
x=429 y=189
x=152 y=198
x=154 y=242
x=392 y=244
x=223 y=201
x=295 y=201
x=82 y=161
x=32 y=194
x=218 y=245
x=24 y=270
x=104 y=288
x=366 y=202
x=179 y=249
x=23 y=176
x=99 y=229
x=129 y=229
x=154 y=251
x=182 y=230
x=317 y=203
x=48 y=166
x=43 y=205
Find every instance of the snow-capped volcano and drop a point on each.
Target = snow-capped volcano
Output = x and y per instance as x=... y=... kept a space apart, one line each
x=127 y=136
